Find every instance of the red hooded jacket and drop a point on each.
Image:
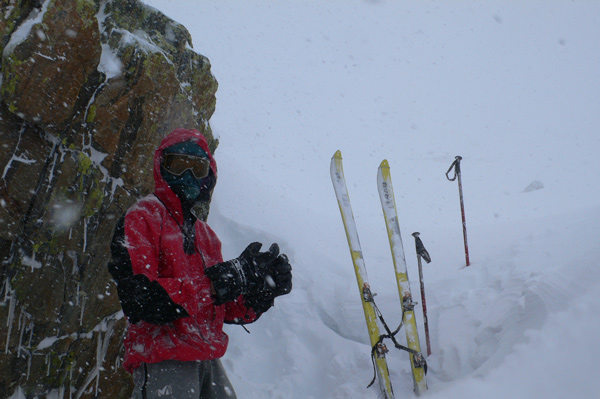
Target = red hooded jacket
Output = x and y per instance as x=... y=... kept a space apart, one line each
x=178 y=319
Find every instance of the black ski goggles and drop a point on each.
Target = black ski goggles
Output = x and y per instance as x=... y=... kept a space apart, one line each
x=179 y=163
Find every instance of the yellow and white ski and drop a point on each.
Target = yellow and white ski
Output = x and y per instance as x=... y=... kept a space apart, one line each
x=341 y=192
x=388 y=204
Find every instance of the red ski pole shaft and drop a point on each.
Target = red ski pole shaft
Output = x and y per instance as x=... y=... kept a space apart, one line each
x=464 y=222
x=423 y=254
x=456 y=166
x=424 y=303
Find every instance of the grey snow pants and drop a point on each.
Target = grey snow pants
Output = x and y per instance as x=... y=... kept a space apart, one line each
x=173 y=379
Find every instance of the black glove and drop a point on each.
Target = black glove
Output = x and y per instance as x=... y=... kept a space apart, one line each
x=244 y=274
x=278 y=280
x=278 y=277
x=147 y=300
x=273 y=274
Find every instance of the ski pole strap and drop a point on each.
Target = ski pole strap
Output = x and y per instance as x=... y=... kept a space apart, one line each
x=456 y=166
x=392 y=335
x=379 y=349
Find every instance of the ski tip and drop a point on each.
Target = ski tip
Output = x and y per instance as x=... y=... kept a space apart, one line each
x=384 y=164
x=338 y=154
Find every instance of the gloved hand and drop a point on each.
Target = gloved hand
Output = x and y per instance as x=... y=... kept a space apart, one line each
x=248 y=273
x=278 y=282
x=278 y=277
x=148 y=301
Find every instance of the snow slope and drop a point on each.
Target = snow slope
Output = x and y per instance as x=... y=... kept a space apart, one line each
x=512 y=87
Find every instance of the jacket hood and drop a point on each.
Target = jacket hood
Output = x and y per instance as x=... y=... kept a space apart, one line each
x=162 y=189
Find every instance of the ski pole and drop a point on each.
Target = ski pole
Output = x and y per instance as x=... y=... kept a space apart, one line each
x=423 y=254
x=456 y=166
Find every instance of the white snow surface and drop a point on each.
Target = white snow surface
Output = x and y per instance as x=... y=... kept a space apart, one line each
x=512 y=87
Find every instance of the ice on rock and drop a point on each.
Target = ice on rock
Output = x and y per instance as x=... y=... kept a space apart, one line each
x=36 y=16
x=65 y=214
x=18 y=394
x=110 y=64
x=47 y=343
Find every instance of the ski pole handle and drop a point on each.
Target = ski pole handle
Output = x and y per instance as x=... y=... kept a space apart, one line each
x=420 y=248
x=456 y=166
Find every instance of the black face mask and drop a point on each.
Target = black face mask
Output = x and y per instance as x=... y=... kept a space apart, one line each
x=189 y=189
x=207 y=185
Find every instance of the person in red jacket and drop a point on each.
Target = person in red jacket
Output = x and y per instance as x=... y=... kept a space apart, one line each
x=175 y=289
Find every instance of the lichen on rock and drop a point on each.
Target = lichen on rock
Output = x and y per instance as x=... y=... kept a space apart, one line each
x=87 y=91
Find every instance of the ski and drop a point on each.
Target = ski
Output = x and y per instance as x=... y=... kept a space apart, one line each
x=388 y=204
x=341 y=192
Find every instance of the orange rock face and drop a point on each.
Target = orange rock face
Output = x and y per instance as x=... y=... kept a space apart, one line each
x=88 y=89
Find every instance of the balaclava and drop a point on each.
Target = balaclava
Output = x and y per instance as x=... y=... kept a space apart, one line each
x=186 y=186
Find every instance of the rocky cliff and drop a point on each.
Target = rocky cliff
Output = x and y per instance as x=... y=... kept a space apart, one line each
x=87 y=91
